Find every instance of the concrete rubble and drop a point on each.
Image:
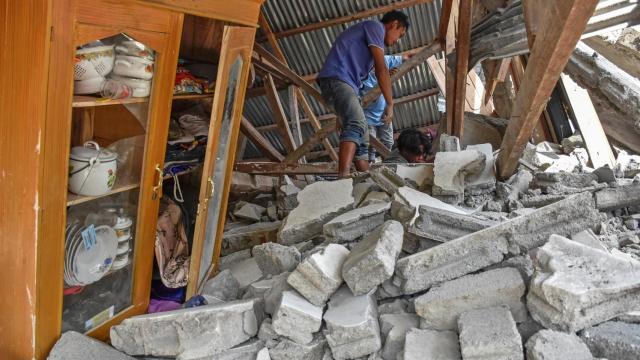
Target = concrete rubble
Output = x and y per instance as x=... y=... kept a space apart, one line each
x=416 y=261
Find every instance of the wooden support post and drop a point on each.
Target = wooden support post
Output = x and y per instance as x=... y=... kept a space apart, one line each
x=551 y=50
x=242 y=146
x=449 y=67
x=271 y=168
x=315 y=123
x=266 y=29
x=585 y=115
x=259 y=141
x=495 y=72
x=294 y=114
x=279 y=115
x=463 y=43
x=445 y=17
x=310 y=143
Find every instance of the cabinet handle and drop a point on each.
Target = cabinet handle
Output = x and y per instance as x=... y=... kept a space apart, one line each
x=207 y=196
x=158 y=188
x=212 y=187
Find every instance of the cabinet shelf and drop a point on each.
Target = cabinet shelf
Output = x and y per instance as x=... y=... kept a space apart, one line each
x=192 y=96
x=75 y=199
x=80 y=101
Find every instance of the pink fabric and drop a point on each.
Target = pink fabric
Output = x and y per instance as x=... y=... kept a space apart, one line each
x=156 y=306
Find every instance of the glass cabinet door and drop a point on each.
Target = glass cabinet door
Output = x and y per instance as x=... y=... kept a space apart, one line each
x=113 y=81
x=237 y=43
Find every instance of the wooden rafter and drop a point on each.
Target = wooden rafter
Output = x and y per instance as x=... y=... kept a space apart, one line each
x=272 y=168
x=463 y=43
x=445 y=15
x=315 y=123
x=278 y=114
x=247 y=128
x=496 y=72
x=349 y=18
x=310 y=143
x=266 y=29
x=550 y=53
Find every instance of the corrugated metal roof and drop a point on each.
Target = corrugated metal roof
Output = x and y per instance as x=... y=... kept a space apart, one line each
x=306 y=52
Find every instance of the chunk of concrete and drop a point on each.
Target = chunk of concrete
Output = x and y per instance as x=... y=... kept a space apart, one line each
x=246 y=272
x=556 y=345
x=286 y=194
x=394 y=327
x=442 y=305
x=318 y=203
x=246 y=350
x=442 y=225
x=372 y=260
x=208 y=329
x=228 y=260
x=395 y=306
x=478 y=250
x=489 y=333
x=387 y=179
x=448 y=143
x=420 y=174
x=352 y=325
x=223 y=286
x=375 y=197
x=291 y=350
x=361 y=190
x=576 y=286
x=451 y=168
x=432 y=345
x=272 y=296
x=486 y=178
x=613 y=340
x=249 y=211
x=267 y=334
x=263 y=354
x=522 y=263
x=296 y=318
x=246 y=237
x=517 y=184
x=618 y=197
x=320 y=274
x=275 y=259
x=414 y=199
x=355 y=223
x=589 y=238
x=75 y=346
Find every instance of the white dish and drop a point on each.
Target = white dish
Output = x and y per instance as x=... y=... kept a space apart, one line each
x=123 y=248
x=90 y=265
x=120 y=262
x=139 y=87
x=135 y=67
x=89 y=86
x=134 y=48
x=93 y=62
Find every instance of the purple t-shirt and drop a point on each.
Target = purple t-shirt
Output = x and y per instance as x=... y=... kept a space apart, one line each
x=350 y=59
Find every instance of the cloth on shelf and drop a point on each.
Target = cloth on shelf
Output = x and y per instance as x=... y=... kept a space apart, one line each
x=171 y=248
x=186 y=83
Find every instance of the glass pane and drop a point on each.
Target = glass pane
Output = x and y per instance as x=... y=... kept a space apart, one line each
x=112 y=83
x=219 y=170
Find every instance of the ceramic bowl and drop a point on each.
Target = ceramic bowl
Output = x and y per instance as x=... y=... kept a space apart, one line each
x=93 y=62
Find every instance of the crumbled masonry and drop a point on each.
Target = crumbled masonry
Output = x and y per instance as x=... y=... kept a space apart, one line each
x=415 y=262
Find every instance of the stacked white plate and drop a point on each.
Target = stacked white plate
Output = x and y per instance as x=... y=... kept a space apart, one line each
x=82 y=265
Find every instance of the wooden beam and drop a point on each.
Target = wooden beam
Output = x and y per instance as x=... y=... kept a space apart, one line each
x=247 y=128
x=315 y=123
x=279 y=115
x=349 y=18
x=448 y=68
x=310 y=143
x=380 y=148
x=445 y=16
x=533 y=15
x=463 y=43
x=266 y=29
x=271 y=168
x=567 y=20
x=585 y=115
x=495 y=72
x=242 y=146
x=290 y=74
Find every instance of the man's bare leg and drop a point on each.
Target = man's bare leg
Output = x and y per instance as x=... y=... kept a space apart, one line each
x=345 y=157
x=362 y=165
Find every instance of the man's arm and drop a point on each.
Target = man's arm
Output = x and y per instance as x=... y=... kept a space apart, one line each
x=384 y=81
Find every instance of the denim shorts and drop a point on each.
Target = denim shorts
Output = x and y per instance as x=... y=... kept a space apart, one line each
x=347 y=106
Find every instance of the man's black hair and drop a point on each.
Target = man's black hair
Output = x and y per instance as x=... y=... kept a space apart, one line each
x=393 y=15
x=410 y=141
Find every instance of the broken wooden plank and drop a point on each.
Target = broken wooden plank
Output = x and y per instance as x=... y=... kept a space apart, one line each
x=271 y=168
x=279 y=115
x=549 y=56
x=310 y=143
x=585 y=115
x=247 y=128
x=380 y=148
x=315 y=123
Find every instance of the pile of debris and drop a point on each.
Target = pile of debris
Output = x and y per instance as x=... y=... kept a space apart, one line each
x=420 y=262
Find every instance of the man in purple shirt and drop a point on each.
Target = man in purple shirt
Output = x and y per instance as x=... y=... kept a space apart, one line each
x=355 y=52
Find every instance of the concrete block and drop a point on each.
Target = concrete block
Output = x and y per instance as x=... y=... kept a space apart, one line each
x=451 y=168
x=320 y=274
x=249 y=211
x=478 y=250
x=393 y=328
x=489 y=333
x=286 y=194
x=486 y=178
x=432 y=345
x=528 y=328
x=556 y=345
x=275 y=259
x=208 y=329
x=355 y=223
x=75 y=346
x=442 y=225
x=296 y=318
x=246 y=272
x=242 y=182
x=267 y=334
x=228 y=260
x=420 y=174
x=517 y=184
x=522 y=263
x=388 y=290
x=263 y=354
x=387 y=179
x=318 y=203
x=415 y=199
x=272 y=296
x=290 y=350
x=442 y=305
x=537 y=201
x=449 y=143
x=576 y=286
x=618 y=197
x=352 y=325
x=223 y=286
x=246 y=237
x=613 y=340
x=372 y=260
x=375 y=197
x=246 y=350
x=361 y=190
x=395 y=306
x=589 y=238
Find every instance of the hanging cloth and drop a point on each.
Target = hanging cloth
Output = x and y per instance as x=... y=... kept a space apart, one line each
x=171 y=248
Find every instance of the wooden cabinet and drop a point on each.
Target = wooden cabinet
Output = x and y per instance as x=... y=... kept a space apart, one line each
x=69 y=291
